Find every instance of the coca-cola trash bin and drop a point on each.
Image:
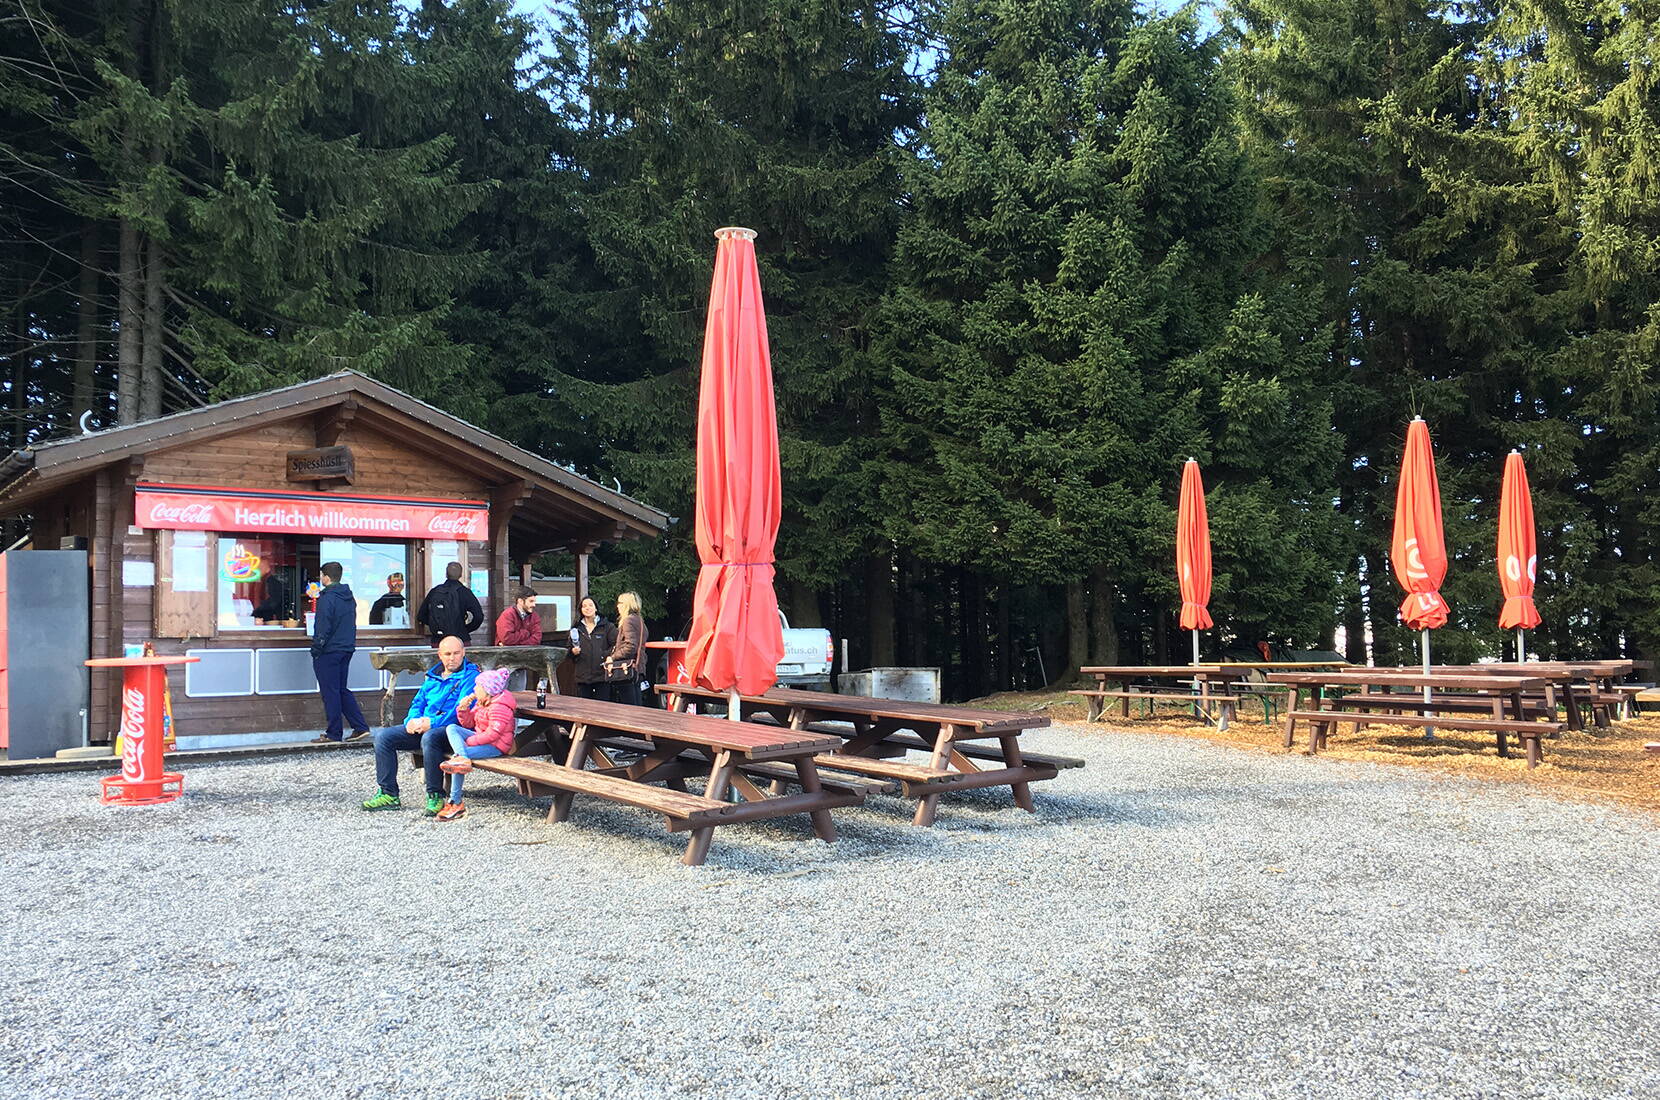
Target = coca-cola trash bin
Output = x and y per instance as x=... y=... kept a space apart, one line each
x=142 y=781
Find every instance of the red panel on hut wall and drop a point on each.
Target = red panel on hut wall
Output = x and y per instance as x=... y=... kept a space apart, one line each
x=5 y=663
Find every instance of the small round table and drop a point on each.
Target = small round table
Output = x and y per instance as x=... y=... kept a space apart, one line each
x=142 y=781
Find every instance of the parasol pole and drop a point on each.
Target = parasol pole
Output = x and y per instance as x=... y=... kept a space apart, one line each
x=732 y=707
x=1521 y=646
x=1429 y=731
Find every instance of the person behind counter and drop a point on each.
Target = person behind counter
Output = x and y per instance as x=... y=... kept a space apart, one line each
x=591 y=639
x=333 y=640
x=392 y=609
x=431 y=713
x=275 y=607
x=450 y=609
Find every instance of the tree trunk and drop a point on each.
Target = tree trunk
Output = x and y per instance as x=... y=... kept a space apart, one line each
x=128 y=344
x=803 y=607
x=971 y=634
x=1077 y=634
x=879 y=584
x=150 y=372
x=1004 y=641
x=1354 y=618
x=84 y=389
x=1103 y=591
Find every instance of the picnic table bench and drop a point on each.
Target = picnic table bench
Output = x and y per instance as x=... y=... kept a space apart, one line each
x=877 y=743
x=1143 y=682
x=1503 y=694
x=677 y=746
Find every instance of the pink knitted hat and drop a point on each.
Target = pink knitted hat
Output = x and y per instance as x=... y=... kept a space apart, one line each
x=493 y=681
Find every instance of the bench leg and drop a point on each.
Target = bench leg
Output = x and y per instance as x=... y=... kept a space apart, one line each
x=1011 y=757
x=1226 y=716
x=1533 y=752
x=697 y=849
x=1290 y=727
x=1124 y=703
x=1504 y=745
x=929 y=805
x=807 y=772
x=1094 y=702
x=578 y=756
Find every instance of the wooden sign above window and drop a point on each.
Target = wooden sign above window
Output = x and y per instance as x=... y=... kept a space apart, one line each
x=322 y=464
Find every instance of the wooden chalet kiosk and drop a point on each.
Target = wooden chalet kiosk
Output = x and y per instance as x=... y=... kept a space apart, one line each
x=205 y=528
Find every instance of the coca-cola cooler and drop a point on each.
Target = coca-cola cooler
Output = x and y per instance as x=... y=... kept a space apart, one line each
x=43 y=646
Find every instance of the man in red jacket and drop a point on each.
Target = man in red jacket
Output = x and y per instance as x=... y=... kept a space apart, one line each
x=519 y=624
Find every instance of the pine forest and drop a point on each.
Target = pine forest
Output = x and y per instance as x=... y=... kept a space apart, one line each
x=1021 y=259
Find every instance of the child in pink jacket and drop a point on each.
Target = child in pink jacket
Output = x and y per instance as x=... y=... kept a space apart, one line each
x=486 y=721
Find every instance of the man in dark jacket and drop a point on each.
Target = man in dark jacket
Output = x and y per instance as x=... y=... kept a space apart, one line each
x=333 y=640
x=450 y=609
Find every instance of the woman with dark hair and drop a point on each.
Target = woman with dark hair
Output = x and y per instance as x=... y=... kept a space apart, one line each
x=622 y=664
x=591 y=639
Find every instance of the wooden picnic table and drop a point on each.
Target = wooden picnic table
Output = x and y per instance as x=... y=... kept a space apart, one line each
x=884 y=730
x=674 y=746
x=1376 y=701
x=1204 y=676
x=1582 y=685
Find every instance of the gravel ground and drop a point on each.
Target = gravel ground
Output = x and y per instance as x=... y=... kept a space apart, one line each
x=1179 y=919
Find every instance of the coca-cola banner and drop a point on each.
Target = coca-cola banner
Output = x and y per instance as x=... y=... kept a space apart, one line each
x=208 y=508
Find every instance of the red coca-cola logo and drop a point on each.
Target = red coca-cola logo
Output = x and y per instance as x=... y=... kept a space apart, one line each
x=454 y=523
x=162 y=512
x=132 y=733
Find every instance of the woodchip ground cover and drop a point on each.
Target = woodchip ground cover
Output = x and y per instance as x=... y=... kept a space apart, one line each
x=1597 y=765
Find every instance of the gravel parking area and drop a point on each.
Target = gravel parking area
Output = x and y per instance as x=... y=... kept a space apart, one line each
x=1178 y=919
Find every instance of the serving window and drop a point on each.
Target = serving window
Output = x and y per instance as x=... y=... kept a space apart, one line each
x=271 y=583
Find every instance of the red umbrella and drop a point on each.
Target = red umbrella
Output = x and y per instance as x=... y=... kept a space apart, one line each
x=1518 y=552
x=1193 y=554
x=736 y=640
x=1418 y=553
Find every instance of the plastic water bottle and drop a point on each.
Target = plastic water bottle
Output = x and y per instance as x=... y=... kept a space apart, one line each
x=542 y=692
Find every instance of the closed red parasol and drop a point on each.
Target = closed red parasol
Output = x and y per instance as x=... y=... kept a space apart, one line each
x=1518 y=552
x=736 y=640
x=1193 y=554
x=1419 y=551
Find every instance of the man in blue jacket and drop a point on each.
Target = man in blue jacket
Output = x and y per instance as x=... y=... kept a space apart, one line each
x=333 y=640
x=430 y=714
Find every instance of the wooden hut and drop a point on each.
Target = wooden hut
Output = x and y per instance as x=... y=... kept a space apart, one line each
x=205 y=529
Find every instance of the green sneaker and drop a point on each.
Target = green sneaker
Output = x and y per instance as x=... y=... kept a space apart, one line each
x=381 y=801
x=435 y=802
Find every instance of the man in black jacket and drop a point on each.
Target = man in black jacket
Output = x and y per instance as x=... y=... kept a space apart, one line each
x=333 y=640
x=450 y=609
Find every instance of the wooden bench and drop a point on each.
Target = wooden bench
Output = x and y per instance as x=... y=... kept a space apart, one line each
x=1652 y=746
x=1384 y=702
x=780 y=775
x=944 y=730
x=1527 y=731
x=674 y=741
x=1225 y=704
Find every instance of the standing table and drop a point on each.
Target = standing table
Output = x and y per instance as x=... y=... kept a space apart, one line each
x=142 y=781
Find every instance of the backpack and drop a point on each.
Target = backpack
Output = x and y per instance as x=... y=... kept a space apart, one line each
x=445 y=613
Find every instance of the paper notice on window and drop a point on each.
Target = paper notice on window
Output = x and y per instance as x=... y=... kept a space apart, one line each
x=138 y=574
x=479 y=581
x=190 y=568
x=189 y=538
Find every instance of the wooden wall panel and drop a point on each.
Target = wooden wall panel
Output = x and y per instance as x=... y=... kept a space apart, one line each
x=180 y=614
x=254 y=459
x=257 y=459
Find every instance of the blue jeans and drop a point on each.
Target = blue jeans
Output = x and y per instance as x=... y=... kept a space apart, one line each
x=330 y=669
x=392 y=740
x=458 y=745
